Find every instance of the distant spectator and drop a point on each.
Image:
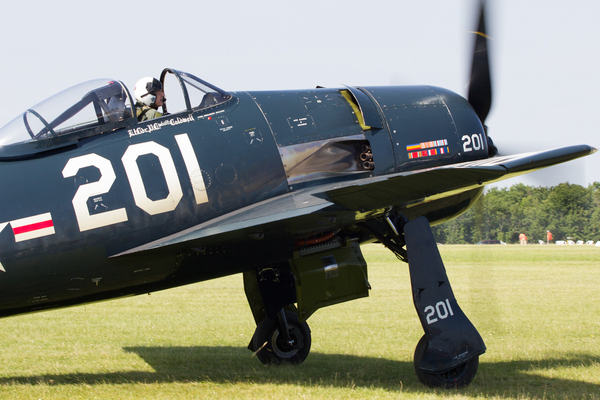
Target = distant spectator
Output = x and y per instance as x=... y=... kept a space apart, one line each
x=523 y=238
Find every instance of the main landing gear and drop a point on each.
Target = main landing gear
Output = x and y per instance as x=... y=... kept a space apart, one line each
x=316 y=276
x=279 y=338
x=447 y=355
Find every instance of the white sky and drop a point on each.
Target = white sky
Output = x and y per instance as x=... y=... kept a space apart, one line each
x=545 y=61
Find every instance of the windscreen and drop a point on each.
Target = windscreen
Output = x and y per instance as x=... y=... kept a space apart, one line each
x=184 y=92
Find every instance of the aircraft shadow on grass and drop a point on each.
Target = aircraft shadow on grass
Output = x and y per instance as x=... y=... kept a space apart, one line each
x=234 y=365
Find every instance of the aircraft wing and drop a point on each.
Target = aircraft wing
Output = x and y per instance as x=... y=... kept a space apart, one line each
x=281 y=210
x=429 y=184
x=401 y=189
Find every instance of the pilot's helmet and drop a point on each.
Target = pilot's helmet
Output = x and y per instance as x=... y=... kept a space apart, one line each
x=145 y=90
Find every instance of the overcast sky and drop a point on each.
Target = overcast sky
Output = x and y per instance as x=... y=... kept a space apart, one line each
x=546 y=66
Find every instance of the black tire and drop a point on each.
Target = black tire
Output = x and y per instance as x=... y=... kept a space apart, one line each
x=458 y=377
x=271 y=349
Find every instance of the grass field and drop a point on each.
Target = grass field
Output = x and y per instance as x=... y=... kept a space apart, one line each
x=537 y=308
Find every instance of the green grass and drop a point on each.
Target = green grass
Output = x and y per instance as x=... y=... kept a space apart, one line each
x=537 y=308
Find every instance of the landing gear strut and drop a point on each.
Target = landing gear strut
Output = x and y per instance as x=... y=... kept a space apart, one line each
x=447 y=355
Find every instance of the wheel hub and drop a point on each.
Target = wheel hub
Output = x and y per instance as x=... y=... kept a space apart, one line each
x=284 y=349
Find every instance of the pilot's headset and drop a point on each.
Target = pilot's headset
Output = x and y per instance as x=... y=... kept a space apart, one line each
x=145 y=90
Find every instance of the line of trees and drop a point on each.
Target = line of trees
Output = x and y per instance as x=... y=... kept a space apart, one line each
x=568 y=211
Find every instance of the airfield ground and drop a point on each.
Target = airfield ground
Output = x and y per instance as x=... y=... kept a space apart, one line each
x=537 y=308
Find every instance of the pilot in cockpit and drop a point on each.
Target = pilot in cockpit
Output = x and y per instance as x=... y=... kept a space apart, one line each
x=149 y=97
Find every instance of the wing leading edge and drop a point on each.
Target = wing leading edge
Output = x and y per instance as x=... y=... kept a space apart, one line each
x=401 y=189
x=407 y=188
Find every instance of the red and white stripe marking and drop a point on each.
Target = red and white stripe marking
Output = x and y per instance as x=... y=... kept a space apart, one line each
x=32 y=227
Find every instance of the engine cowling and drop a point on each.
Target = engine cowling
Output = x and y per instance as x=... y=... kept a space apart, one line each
x=429 y=126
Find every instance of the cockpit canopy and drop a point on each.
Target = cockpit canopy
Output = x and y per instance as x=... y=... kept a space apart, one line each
x=87 y=105
x=97 y=107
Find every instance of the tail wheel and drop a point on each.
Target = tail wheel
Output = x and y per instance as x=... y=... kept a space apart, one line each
x=457 y=377
x=271 y=346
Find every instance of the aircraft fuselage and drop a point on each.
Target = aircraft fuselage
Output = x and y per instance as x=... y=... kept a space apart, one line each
x=67 y=211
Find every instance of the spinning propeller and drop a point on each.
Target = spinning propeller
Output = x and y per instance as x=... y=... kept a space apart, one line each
x=480 y=85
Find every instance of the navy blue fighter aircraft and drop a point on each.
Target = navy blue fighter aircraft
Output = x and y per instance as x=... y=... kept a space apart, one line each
x=281 y=186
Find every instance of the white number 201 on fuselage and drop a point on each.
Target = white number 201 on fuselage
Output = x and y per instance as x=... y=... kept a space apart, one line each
x=473 y=142
x=87 y=221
